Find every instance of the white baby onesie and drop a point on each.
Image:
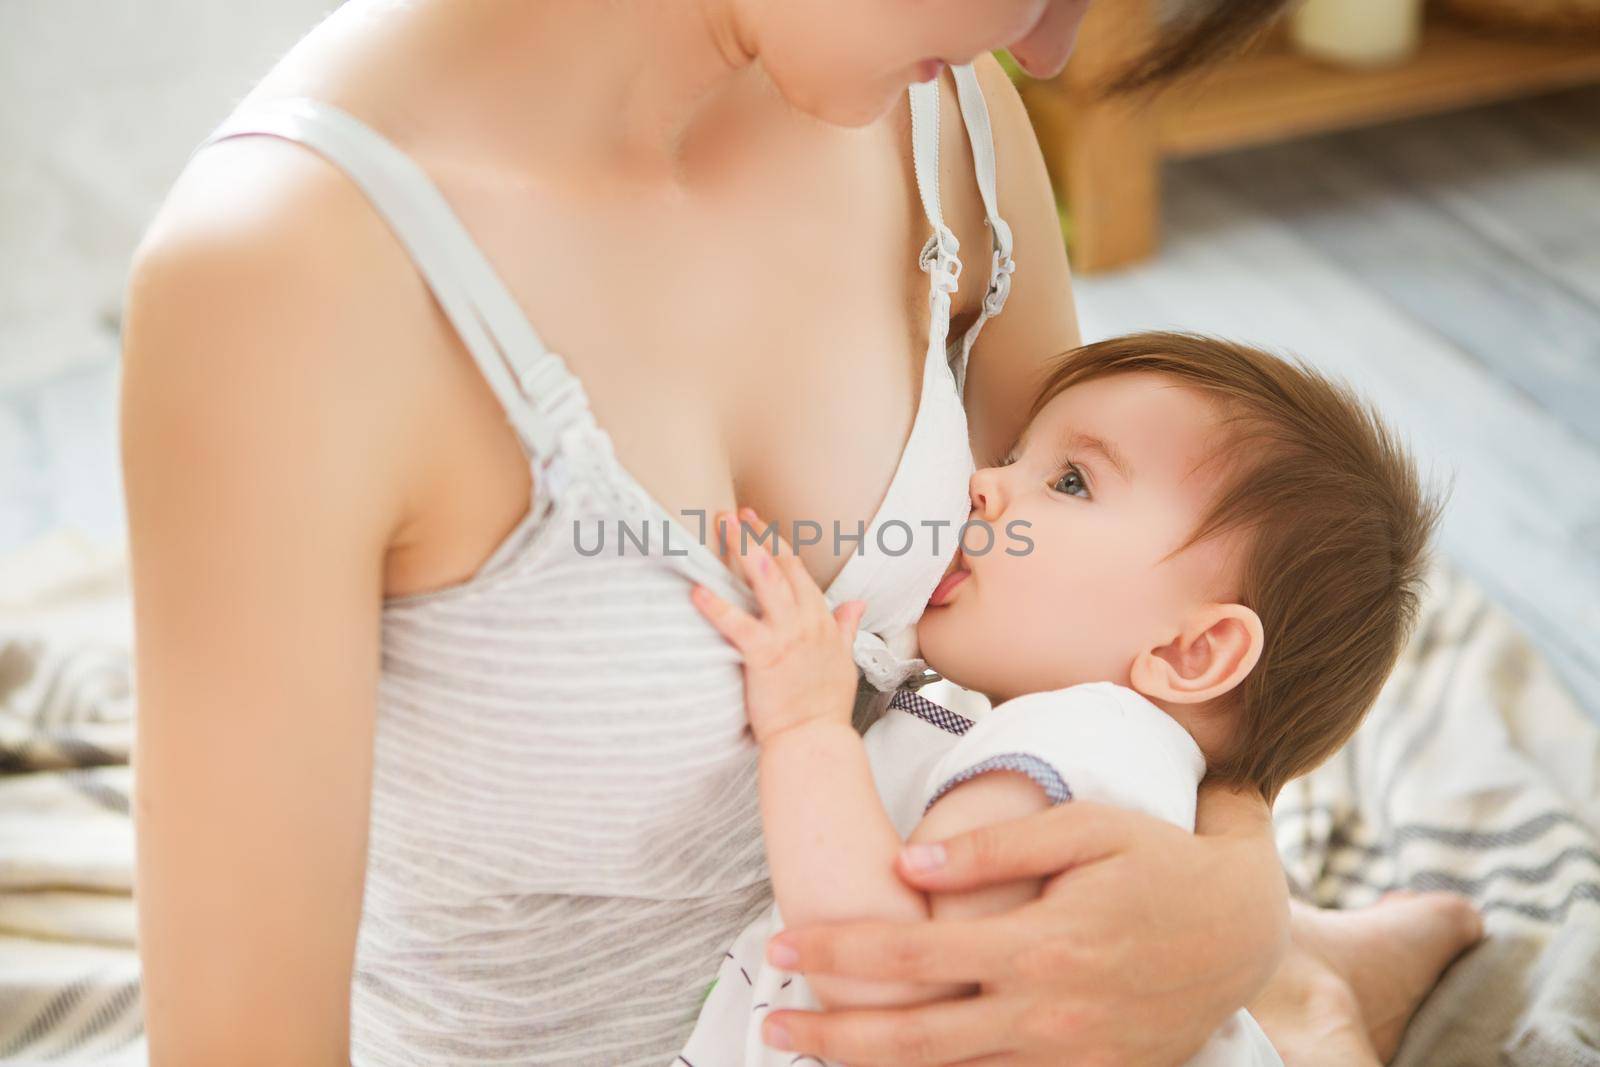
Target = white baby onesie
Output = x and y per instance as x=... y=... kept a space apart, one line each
x=1099 y=742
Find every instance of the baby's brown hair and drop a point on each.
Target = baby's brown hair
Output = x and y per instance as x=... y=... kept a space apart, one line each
x=1337 y=525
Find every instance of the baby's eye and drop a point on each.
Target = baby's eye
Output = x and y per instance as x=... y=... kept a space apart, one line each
x=1071 y=482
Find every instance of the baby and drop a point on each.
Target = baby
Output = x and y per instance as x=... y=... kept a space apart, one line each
x=1200 y=560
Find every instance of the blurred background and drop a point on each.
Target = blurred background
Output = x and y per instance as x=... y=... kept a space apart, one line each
x=1405 y=194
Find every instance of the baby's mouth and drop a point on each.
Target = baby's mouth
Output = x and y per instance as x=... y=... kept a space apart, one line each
x=954 y=576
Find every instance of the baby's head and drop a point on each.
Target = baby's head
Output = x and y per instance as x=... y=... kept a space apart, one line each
x=1227 y=533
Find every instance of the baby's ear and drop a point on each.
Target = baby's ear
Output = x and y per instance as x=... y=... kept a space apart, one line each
x=1218 y=648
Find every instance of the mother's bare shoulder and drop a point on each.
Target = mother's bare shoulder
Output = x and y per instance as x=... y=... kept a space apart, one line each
x=267 y=272
x=285 y=224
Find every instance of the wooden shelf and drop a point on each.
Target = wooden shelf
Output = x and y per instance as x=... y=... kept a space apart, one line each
x=1105 y=154
x=1275 y=93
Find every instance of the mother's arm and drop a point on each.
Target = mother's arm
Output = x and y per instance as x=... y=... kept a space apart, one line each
x=1147 y=937
x=1135 y=954
x=259 y=507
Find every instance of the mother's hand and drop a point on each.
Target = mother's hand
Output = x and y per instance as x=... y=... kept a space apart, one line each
x=1145 y=940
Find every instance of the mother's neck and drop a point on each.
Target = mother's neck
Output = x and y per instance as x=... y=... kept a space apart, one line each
x=607 y=84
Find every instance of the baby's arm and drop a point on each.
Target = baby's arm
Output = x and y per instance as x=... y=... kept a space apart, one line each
x=994 y=797
x=831 y=847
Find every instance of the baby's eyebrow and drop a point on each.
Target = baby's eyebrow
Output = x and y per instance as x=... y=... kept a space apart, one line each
x=1089 y=443
x=1108 y=451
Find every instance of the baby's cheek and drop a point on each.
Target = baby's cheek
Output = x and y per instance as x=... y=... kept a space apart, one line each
x=1102 y=618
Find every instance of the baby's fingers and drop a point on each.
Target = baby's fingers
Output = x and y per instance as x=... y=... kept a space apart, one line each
x=807 y=594
x=848 y=616
x=761 y=570
x=730 y=620
x=804 y=592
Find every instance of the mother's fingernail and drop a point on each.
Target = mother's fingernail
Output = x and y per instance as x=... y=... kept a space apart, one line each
x=776 y=1036
x=925 y=857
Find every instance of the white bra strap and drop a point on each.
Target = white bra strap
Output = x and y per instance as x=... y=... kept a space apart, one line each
x=924 y=98
x=975 y=112
x=938 y=256
x=541 y=399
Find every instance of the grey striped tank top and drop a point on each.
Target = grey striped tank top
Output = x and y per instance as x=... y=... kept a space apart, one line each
x=564 y=831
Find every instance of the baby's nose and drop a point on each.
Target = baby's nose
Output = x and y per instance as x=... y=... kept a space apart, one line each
x=984 y=489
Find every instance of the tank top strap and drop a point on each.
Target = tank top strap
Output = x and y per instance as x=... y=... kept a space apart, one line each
x=542 y=399
x=975 y=113
x=938 y=257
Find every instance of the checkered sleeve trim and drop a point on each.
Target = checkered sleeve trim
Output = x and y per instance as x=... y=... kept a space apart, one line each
x=1044 y=775
x=908 y=700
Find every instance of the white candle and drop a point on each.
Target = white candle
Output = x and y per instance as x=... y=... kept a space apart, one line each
x=1357 y=32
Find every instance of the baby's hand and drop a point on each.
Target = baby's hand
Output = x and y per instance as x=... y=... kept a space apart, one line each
x=797 y=662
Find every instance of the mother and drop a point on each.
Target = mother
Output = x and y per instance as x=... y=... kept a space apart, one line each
x=419 y=780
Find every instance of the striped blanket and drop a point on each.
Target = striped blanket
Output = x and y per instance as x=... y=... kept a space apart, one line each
x=1475 y=772
x=69 y=975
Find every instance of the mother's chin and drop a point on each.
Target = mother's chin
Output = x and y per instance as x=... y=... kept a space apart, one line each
x=1044 y=50
x=848 y=62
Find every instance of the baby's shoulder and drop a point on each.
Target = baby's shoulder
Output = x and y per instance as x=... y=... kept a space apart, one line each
x=1099 y=741
x=1109 y=719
